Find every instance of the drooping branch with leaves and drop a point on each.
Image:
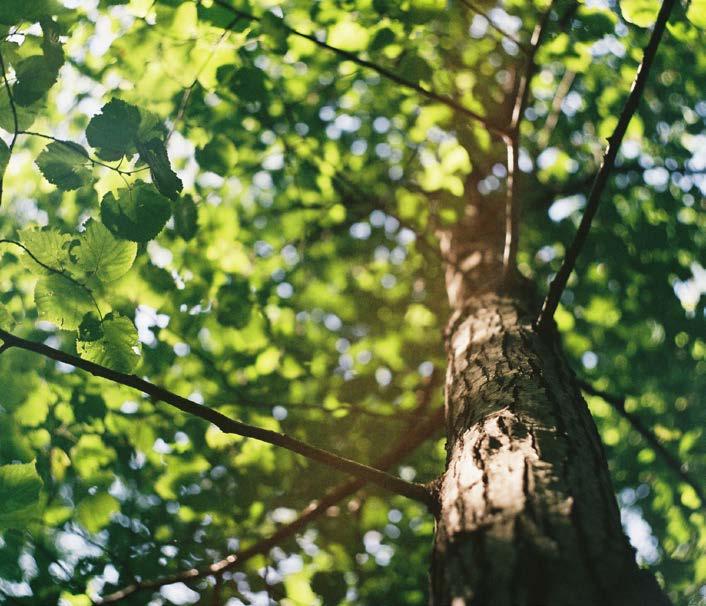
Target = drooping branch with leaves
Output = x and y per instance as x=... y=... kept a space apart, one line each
x=244 y=245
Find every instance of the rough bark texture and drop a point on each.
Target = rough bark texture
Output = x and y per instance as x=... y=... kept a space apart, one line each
x=528 y=515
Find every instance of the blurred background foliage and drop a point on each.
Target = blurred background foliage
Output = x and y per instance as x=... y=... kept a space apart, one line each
x=297 y=285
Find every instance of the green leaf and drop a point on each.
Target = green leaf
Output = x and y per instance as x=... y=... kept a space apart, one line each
x=330 y=585
x=7 y=322
x=640 y=12
x=94 y=512
x=348 y=36
x=103 y=255
x=151 y=127
x=696 y=13
x=117 y=348
x=382 y=38
x=90 y=455
x=186 y=217
x=138 y=214
x=25 y=115
x=48 y=246
x=248 y=83
x=4 y=158
x=274 y=28
x=233 y=305
x=13 y=12
x=20 y=488
x=154 y=153
x=61 y=301
x=414 y=68
x=64 y=164
x=219 y=155
x=35 y=76
x=114 y=130
x=91 y=328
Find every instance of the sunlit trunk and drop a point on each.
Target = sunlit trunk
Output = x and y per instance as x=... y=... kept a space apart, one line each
x=528 y=515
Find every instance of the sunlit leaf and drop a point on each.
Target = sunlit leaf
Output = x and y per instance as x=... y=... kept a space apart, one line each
x=640 y=12
x=94 y=511
x=20 y=488
x=117 y=347
x=61 y=301
x=101 y=254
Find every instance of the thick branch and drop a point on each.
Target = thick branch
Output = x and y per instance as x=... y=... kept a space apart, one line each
x=559 y=283
x=618 y=403
x=379 y=69
x=411 y=490
x=409 y=442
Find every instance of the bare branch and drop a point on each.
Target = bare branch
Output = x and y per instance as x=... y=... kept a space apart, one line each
x=550 y=123
x=618 y=403
x=562 y=277
x=411 y=440
x=512 y=142
x=380 y=70
x=505 y=34
x=414 y=491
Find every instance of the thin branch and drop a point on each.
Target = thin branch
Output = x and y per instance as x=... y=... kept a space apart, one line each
x=562 y=277
x=414 y=491
x=186 y=95
x=73 y=147
x=505 y=34
x=58 y=272
x=411 y=440
x=550 y=123
x=618 y=403
x=512 y=142
x=379 y=69
x=16 y=127
x=232 y=393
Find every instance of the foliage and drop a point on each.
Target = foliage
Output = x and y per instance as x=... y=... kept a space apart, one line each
x=203 y=197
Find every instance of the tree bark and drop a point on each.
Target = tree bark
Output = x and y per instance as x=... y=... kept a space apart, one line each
x=527 y=513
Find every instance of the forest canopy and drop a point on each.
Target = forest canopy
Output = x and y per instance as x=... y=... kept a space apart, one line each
x=233 y=264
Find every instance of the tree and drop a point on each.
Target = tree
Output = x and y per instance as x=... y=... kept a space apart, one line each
x=246 y=246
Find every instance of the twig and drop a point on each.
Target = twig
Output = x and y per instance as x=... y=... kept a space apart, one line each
x=53 y=270
x=618 y=403
x=380 y=70
x=562 y=277
x=75 y=147
x=550 y=123
x=16 y=127
x=505 y=34
x=409 y=442
x=512 y=142
x=417 y=492
x=186 y=96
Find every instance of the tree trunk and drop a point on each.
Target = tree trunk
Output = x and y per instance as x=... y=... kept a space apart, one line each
x=527 y=513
